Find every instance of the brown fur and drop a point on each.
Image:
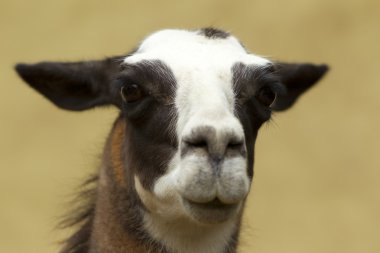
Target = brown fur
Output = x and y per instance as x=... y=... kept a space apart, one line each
x=108 y=234
x=114 y=223
x=117 y=137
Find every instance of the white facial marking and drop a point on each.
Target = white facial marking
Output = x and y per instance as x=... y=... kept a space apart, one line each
x=178 y=204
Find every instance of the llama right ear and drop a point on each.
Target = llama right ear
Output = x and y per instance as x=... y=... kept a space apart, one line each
x=297 y=78
x=74 y=85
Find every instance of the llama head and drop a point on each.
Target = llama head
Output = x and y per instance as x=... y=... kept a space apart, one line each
x=191 y=105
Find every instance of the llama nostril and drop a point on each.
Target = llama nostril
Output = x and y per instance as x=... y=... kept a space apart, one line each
x=235 y=145
x=225 y=142
x=199 y=138
x=196 y=143
x=193 y=144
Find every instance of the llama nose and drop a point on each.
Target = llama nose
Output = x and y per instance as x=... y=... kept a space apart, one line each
x=217 y=143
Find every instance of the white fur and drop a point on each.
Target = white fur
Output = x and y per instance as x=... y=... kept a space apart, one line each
x=182 y=236
x=203 y=71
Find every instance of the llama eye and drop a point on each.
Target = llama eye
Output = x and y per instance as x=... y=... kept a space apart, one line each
x=266 y=96
x=131 y=93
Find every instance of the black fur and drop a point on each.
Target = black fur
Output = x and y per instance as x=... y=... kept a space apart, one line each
x=213 y=33
x=72 y=85
x=297 y=78
x=152 y=121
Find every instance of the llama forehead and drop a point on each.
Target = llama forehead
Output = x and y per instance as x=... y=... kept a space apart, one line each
x=193 y=49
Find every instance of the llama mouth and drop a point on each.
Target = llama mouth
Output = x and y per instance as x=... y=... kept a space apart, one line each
x=211 y=212
x=214 y=204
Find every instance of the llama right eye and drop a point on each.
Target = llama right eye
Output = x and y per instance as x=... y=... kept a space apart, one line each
x=131 y=93
x=266 y=96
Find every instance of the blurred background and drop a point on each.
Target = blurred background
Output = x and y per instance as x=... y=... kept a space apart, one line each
x=317 y=172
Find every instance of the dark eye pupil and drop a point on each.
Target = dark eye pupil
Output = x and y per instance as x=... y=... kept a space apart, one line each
x=266 y=96
x=131 y=93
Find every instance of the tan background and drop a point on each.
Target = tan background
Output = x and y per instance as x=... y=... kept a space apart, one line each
x=316 y=187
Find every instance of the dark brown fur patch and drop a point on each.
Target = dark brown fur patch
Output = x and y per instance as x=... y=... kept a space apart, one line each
x=247 y=80
x=150 y=139
x=214 y=33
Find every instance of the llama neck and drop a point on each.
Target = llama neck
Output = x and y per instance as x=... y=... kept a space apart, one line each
x=117 y=222
x=182 y=236
x=117 y=225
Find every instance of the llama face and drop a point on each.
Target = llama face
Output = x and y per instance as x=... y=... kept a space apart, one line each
x=206 y=102
x=192 y=103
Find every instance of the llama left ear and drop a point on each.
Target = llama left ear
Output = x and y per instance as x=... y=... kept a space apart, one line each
x=72 y=85
x=297 y=78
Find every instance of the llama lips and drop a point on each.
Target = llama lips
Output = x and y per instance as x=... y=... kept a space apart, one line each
x=199 y=182
x=211 y=212
x=214 y=204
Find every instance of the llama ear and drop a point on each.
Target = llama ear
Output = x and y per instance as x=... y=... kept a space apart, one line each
x=72 y=85
x=297 y=78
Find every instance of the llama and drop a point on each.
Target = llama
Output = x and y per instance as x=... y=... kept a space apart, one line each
x=178 y=163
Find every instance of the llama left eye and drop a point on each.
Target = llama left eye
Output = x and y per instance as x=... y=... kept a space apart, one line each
x=266 y=96
x=131 y=93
